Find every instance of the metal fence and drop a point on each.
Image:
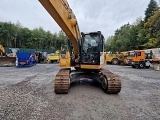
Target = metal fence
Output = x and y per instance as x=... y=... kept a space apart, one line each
x=8 y=50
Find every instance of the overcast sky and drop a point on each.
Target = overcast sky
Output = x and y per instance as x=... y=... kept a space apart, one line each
x=92 y=15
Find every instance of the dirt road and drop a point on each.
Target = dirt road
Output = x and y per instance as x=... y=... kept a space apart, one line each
x=28 y=94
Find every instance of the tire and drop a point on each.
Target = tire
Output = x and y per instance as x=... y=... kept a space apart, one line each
x=141 y=65
x=136 y=66
x=133 y=66
x=115 y=61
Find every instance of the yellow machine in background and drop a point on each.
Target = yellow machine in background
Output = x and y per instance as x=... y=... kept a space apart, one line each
x=112 y=58
x=123 y=58
x=117 y=58
x=6 y=60
x=2 y=51
x=85 y=52
x=53 y=57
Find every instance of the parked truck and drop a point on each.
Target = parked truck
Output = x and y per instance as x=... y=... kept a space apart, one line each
x=140 y=59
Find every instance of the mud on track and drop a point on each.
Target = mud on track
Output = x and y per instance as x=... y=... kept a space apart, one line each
x=28 y=94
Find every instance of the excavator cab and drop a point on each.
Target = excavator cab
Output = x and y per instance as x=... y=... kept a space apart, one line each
x=92 y=46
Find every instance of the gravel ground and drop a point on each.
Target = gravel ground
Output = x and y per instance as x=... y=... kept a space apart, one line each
x=28 y=94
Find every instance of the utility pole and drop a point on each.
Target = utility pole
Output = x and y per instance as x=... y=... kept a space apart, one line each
x=15 y=40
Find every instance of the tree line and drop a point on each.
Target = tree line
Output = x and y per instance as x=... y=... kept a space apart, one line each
x=15 y=36
x=143 y=34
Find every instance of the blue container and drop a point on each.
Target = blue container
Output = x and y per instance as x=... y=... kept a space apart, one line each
x=26 y=59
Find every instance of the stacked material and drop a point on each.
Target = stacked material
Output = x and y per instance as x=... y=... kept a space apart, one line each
x=155 y=51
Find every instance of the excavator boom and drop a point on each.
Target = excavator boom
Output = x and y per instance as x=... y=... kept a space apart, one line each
x=65 y=18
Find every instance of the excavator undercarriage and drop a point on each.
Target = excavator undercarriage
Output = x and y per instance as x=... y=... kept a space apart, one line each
x=110 y=82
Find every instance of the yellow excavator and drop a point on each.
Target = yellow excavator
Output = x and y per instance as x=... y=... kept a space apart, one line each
x=2 y=51
x=6 y=60
x=85 y=52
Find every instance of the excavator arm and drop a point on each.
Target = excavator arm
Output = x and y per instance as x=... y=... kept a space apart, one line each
x=65 y=18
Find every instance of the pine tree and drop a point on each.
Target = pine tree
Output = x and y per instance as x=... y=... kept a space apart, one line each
x=152 y=7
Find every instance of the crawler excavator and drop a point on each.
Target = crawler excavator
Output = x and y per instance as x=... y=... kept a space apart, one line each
x=85 y=52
